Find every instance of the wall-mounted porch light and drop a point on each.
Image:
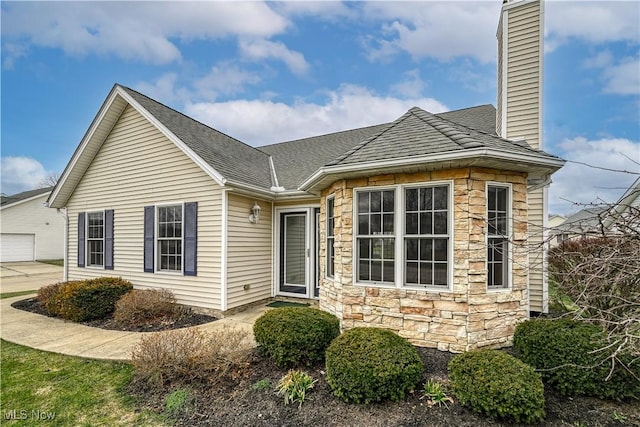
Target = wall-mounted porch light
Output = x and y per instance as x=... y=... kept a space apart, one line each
x=255 y=213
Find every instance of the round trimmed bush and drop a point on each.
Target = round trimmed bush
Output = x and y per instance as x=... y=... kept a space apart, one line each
x=565 y=353
x=295 y=335
x=369 y=365
x=497 y=384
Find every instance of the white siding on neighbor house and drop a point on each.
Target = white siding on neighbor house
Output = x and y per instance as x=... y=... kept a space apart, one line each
x=32 y=217
x=521 y=98
x=137 y=166
x=249 y=251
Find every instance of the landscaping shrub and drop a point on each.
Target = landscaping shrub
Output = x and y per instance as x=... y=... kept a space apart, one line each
x=571 y=357
x=295 y=335
x=141 y=307
x=370 y=364
x=47 y=297
x=82 y=300
x=497 y=384
x=189 y=355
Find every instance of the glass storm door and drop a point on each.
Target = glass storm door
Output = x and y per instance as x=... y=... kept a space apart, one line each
x=293 y=253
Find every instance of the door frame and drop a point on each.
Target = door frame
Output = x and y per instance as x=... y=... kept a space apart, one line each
x=311 y=252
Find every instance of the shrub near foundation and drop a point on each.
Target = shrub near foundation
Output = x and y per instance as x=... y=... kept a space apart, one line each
x=141 y=307
x=497 y=384
x=367 y=365
x=84 y=299
x=572 y=357
x=293 y=335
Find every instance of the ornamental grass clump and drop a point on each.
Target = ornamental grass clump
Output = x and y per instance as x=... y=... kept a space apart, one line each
x=367 y=365
x=293 y=336
x=143 y=307
x=497 y=384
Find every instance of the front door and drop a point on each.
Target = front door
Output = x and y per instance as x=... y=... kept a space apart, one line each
x=298 y=253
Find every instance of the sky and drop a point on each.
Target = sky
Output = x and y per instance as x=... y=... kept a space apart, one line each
x=266 y=72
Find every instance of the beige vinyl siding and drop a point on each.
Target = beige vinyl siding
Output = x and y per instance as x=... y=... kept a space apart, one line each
x=138 y=166
x=523 y=92
x=298 y=202
x=249 y=247
x=523 y=73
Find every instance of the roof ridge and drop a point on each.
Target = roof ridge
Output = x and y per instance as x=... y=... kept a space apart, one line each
x=371 y=138
x=321 y=135
x=192 y=119
x=520 y=143
x=442 y=125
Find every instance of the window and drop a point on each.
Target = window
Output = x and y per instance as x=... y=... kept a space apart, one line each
x=376 y=236
x=426 y=239
x=95 y=239
x=169 y=238
x=498 y=236
x=331 y=253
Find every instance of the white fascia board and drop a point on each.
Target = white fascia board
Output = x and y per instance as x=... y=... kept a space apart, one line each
x=250 y=190
x=19 y=202
x=86 y=140
x=471 y=154
x=206 y=167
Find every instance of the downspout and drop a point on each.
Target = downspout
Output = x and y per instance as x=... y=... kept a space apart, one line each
x=65 y=270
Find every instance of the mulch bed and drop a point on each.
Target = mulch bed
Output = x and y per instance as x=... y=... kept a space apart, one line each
x=187 y=319
x=237 y=402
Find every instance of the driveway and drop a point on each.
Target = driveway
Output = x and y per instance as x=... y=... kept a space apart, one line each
x=27 y=276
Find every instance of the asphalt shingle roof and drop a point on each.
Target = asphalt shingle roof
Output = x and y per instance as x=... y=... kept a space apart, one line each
x=7 y=200
x=233 y=159
x=420 y=133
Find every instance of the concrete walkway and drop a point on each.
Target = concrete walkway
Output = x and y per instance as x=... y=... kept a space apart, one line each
x=27 y=276
x=59 y=336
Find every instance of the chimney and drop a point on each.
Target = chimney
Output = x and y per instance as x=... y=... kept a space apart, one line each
x=519 y=116
x=520 y=57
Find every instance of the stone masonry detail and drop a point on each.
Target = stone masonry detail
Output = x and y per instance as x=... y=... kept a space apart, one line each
x=467 y=317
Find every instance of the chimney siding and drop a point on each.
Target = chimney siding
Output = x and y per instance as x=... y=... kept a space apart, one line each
x=519 y=116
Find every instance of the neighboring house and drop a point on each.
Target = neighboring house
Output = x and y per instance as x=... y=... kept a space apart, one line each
x=422 y=225
x=30 y=231
x=599 y=220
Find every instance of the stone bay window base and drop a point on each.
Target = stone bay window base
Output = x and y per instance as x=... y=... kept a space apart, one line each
x=463 y=314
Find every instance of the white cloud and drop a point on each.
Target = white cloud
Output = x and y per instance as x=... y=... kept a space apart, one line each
x=143 y=31
x=265 y=49
x=442 y=30
x=623 y=78
x=600 y=60
x=21 y=174
x=411 y=86
x=260 y=122
x=592 y=21
x=576 y=184
x=225 y=78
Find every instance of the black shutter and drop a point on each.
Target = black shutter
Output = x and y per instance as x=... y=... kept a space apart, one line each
x=81 y=241
x=108 y=239
x=190 y=238
x=149 y=229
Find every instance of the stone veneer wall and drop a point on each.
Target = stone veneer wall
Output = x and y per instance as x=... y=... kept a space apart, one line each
x=467 y=317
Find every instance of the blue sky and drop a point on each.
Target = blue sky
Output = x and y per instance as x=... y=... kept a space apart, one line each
x=267 y=72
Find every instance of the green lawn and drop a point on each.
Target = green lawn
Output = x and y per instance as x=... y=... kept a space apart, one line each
x=16 y=294
x=41 y=388
x=58 y=262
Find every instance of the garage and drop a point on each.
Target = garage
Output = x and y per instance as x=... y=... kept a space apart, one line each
x=17 y=247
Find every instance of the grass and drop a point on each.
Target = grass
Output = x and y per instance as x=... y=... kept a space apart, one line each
x=39 y=386
x=16 y=294
x=58 y=262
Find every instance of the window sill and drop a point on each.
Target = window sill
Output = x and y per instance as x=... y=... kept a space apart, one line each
x=498 y=290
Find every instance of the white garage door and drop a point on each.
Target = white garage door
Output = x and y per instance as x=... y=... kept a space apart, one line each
x=17 y=247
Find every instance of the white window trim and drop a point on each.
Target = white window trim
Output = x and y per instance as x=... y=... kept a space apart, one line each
x=399 y=236
x=509 y=236
x=156 y=256
x=333 y=238
x=86 y=241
